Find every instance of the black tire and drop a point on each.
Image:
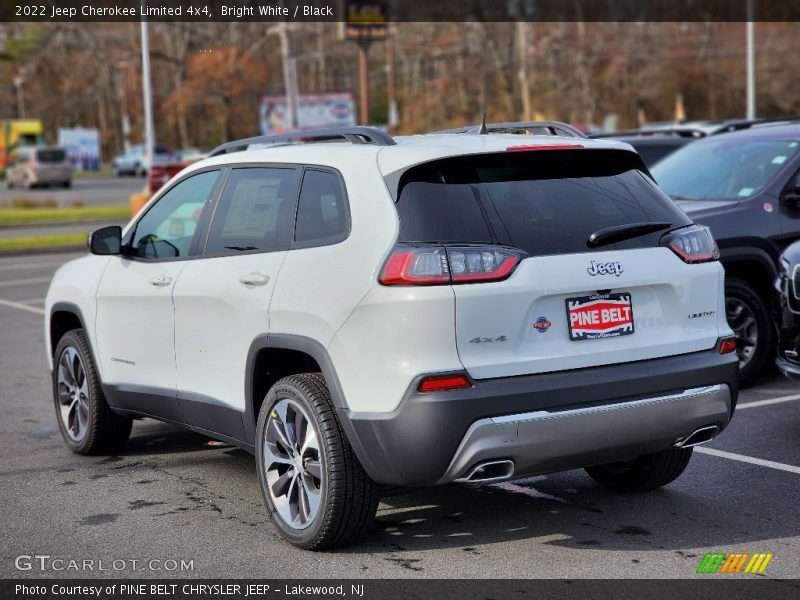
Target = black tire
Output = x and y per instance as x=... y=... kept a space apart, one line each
x=106 y=432
x=348 y=498
x=67 y=184
x=741 y=298
x=643 y=474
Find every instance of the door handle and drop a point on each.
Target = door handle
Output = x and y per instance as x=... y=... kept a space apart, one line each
x=160 y=280
x=254 y=279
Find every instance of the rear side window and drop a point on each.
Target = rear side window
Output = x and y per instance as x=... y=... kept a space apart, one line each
x=322 y=215
x=55 y=155
x=542 y=202
x=255 y=211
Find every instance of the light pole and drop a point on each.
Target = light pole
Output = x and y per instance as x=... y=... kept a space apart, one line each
x=149 y=132
x=751 y=63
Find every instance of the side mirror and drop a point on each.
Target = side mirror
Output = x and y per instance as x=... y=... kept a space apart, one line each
x=105 y=241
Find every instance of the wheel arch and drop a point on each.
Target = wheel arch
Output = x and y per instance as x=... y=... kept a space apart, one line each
x=754 y=266
x=63 y=317
x=274 y=356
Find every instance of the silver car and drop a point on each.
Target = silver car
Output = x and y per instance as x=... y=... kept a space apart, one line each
x=39 y=165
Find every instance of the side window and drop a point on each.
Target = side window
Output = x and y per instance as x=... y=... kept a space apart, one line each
x=167 y=229
x=255 y=211
x=321 y=211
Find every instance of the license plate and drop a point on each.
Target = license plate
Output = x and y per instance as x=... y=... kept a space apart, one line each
x=599 y=316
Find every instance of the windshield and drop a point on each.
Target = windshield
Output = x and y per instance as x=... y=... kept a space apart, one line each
x=541 y=202
x=723 y=169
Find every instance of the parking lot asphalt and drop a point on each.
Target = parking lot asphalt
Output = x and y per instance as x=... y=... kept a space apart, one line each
x=172 y=496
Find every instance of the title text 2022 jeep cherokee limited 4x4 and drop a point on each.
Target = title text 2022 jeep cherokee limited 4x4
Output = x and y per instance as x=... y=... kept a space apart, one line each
x=370 y=312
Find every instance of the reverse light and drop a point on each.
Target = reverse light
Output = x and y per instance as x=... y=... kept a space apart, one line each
x=693 y=244
x=727 y=346
x=443 y=265
x=443 y=383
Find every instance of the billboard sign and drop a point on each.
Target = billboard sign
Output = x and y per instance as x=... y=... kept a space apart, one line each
x=314 y=111
x=82 y=147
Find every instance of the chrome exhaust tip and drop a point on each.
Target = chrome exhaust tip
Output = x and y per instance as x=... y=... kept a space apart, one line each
x=484 y=473
x=698 y=436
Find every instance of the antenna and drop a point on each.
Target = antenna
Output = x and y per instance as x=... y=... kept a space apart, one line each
x=482 y=130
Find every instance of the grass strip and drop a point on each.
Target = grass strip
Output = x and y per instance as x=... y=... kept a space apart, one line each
x=14 y=216
x=42 y=241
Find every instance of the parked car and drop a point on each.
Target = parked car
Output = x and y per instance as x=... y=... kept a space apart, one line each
x=190 y=155
x=363 y=312
x=134 y=161
x=741 y=185
x=787 y=304
x=656 y=141
x=33 y=166
x=161 y=172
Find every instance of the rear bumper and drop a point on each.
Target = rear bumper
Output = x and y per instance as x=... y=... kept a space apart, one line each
x=548 y=422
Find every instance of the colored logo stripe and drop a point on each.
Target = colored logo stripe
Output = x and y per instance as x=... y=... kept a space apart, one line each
x=720 y=562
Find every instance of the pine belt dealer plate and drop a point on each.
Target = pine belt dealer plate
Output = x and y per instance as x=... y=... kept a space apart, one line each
x=599 y=316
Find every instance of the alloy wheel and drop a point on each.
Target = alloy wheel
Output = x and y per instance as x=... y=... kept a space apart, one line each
x=293 y=464
x=73 y=394
x=742 y=320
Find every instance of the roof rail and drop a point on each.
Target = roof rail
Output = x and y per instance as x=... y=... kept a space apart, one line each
x=520 y=127
x=354 y=135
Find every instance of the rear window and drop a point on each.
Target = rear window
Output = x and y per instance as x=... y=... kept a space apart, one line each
x=546 y=202
x=51 y=155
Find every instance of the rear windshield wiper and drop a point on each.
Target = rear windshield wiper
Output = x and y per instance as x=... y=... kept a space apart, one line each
x=618 y=233
x=241 y=248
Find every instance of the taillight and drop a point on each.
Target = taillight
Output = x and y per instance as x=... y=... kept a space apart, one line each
x=443 y=265
x=727 y=345
x=442 y=383
x=693 y=244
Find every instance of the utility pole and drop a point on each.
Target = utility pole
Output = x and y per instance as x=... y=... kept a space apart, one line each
x=19 y=84
x=751 y=63
x=289 y=75
x=393 y=118
x=522 y=73
x=149 y=132
x=363 y=77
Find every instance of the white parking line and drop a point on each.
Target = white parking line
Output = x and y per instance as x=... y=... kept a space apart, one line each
x=748 y=459
x=768 y=401
x=31 y=301
x=32 y=309
x=14 y=282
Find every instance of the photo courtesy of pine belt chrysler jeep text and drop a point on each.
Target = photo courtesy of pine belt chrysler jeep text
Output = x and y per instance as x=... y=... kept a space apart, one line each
x=364 y=313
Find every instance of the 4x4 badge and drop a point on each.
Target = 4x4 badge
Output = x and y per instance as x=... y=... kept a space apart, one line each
x=609 y=268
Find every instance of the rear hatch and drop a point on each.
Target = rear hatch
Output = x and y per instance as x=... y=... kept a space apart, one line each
x=533 y=293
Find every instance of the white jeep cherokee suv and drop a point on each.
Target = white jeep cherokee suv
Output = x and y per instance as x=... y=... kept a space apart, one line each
x=363 y=312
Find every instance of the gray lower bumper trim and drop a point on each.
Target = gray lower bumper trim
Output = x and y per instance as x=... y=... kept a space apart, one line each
x=543 y=442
